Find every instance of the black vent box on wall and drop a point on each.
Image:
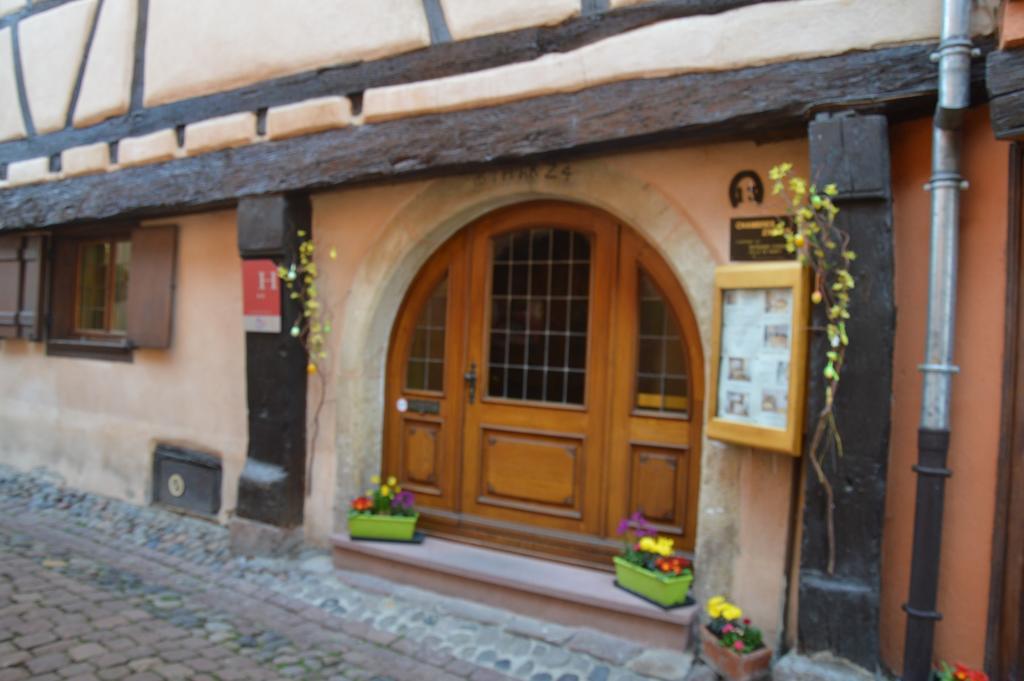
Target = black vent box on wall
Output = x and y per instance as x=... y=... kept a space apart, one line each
x=186 y=479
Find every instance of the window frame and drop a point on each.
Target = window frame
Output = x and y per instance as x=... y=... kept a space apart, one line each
x=110 y=292
x=64 y=337
x=660 y=413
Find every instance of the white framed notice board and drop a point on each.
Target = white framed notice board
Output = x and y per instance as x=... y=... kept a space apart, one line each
x=759 y=349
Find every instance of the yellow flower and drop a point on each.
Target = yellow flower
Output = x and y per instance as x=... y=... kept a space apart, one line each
x=661 y=546
x=398 y=490
x=731 y=612
x=664 y=546
x=392 y=481
x=715 y=609
x=385 y=491
x=375 y=479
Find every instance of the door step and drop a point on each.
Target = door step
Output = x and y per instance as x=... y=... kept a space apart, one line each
x=556 y=592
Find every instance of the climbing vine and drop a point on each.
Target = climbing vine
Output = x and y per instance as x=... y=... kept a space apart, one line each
x=302 y=281
x=811 y=233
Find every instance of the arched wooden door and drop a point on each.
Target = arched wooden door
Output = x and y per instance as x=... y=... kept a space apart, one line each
x=544 y=380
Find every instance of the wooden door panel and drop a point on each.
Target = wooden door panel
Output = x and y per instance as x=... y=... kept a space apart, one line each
x=659 y=485
x=534 y=472
x=584 y=408
x=422 y=455
x=657 y=396
x=421 y=443
x=538 y=314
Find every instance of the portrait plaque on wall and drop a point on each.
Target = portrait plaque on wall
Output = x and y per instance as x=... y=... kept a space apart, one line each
x=759 y=346
x=752 y=239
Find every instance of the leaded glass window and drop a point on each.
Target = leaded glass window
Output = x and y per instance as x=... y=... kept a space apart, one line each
x=425 y=368
x=540 y=298
x=662 y=383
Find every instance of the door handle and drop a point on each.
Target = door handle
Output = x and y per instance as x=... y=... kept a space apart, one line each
x=470 y=377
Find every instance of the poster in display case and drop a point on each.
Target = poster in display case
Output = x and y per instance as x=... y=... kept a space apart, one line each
x=759 y=348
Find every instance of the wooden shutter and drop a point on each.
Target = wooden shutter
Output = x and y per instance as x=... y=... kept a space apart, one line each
x=21 y=266
x=151 y=286
x=30 y=317
x=10 y=285
x=62 y=287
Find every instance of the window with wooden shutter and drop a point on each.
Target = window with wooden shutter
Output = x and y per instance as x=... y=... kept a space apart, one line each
x=112 y=291
x=21 y=264
x=151 y=286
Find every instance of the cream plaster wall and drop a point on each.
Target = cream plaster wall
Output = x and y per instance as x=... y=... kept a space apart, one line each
x=96 y=422
x=195 y=47
x=749 y=36
x=677 y=199
x=8 y=6
x=12 y=124
x=471 y=18
x=52 y=47
x=107 y=80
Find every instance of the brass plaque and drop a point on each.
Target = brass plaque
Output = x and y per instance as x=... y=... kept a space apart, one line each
x=751 y=239
x=425 y=406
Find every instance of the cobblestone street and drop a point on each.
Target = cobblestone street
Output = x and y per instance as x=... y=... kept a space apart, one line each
x=92 y=588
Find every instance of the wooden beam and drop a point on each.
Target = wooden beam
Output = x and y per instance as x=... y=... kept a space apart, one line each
x=271 y=488
x=853 y=152
x=437 y=61
x=751 y=103
x=1004 y=78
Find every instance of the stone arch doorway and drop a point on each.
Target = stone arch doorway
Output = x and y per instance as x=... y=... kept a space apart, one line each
x=545 y=378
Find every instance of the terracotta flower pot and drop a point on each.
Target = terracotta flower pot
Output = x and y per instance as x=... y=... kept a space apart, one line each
x=732 y=665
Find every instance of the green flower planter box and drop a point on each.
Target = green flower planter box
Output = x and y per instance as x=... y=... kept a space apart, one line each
x=666 y=592
x=389 y=527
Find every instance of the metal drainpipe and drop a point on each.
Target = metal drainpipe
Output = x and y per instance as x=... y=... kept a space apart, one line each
x=954 y=58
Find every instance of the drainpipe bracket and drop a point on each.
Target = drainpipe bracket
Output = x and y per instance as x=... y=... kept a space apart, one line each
x=932 y=470
x=922 y=614
x=938 y=368
x=954 y=46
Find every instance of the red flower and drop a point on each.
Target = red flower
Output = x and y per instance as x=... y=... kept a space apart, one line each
x=746 y=621
x=361 y=504
x=727 y=628
x=738 y=645
x=966 y=673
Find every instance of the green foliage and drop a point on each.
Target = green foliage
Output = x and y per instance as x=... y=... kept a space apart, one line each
x=812 y=234
x=301 y=280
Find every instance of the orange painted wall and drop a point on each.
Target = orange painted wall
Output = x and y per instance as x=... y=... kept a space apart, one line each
x=970 y=503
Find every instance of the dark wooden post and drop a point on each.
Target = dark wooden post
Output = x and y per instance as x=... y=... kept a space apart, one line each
x=839 y=612
x=271 y=489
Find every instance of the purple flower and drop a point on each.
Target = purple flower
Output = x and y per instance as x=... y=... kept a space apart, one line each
x=403 y=499
x=623 y=527
x=642 y=527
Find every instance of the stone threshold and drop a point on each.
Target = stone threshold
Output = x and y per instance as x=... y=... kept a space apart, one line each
x=566 y=594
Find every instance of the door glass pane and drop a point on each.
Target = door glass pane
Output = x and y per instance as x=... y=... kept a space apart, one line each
x=540 y=304
x=93 y=263
x=424 y=369
x=661 y=378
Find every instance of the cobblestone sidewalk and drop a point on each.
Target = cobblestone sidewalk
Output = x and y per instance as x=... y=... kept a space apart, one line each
x=92 y=588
